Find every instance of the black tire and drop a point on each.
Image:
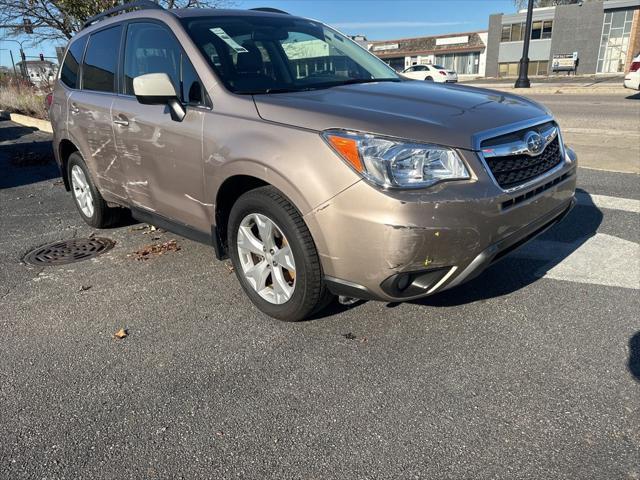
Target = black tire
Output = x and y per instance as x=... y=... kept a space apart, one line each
x=429 y=79
x=310 y=294
x=103 y=216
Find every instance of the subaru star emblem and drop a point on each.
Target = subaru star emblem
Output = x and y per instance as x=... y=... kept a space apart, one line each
x=535 y=142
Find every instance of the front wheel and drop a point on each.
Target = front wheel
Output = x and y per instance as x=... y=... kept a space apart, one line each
x=274 y=256
x=429 y=79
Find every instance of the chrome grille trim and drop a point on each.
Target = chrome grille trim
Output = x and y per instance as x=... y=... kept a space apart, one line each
x=513 y=128
x=520 y=147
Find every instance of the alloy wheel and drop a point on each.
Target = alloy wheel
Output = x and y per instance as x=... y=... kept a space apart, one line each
x=82 y=191
x=266 y=258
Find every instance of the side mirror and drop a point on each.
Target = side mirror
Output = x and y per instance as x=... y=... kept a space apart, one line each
x=157 y=89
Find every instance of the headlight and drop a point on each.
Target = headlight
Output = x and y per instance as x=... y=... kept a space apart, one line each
x=395 y=163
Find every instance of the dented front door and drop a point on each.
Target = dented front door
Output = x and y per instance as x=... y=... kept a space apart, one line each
x=162 y=161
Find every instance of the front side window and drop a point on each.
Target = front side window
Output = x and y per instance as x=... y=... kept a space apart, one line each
x=71 y=66
x=150 y=48
x=101 y=60
x=253 y=55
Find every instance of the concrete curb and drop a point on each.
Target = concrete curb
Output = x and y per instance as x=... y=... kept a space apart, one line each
x=43 y=125
x=568 y=90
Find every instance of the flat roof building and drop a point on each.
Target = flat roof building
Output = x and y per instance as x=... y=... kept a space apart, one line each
x=586 y=38
x=463 y=52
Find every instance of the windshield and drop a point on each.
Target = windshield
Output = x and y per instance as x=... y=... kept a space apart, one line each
x=260 y=54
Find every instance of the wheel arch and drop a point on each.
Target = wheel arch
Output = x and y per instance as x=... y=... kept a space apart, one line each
x=228 y=193
x=65 y=148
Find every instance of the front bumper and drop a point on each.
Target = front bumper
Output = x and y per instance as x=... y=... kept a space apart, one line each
x=402 y=245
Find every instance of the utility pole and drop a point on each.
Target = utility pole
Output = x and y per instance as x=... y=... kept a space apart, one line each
x=15 y=73
x=27 y=26
x=523 y=75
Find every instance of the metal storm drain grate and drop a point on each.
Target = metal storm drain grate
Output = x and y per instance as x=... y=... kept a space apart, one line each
x=68 y=251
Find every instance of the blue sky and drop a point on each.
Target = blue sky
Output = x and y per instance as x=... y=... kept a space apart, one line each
x=377 y=19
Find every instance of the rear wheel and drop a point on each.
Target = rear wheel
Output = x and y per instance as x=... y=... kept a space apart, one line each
x=429 y=79
x=90 y=204
x=274 y=256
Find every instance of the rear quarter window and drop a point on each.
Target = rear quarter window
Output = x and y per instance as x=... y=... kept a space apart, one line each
x=71 y=66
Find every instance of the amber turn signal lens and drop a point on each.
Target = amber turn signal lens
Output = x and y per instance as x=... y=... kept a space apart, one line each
x=348 y=148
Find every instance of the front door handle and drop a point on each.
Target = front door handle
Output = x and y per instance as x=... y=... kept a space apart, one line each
x=74 y=109
x=123 y=123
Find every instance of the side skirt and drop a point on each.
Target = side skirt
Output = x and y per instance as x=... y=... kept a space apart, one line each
x=208 y=238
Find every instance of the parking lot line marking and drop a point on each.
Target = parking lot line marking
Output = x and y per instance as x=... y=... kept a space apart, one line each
x=600 y=260
x=597 y=131
x=613 y=203
x=611 y=170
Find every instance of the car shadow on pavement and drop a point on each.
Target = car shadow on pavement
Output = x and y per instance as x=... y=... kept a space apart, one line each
x=30 y=163
x=24 y=163
x=635 y=96
x=634 y=356
x=515 y=271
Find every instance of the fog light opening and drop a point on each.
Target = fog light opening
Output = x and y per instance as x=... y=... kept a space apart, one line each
x=403 y=282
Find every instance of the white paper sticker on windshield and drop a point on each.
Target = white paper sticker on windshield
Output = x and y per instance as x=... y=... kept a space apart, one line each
x=228 y=40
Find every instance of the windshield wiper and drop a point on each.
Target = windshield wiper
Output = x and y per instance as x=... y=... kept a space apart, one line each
x=276 y=90
x=353 y=81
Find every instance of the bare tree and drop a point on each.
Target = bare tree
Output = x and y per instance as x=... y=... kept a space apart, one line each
x=61 y=19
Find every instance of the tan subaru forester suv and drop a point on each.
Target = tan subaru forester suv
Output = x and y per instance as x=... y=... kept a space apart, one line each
x=304 y=158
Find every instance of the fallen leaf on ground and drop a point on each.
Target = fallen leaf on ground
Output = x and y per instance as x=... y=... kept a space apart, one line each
x=220 y=433
x=349 y=336
x=120 y=334
x=84 y=288
x=148 y=251
x=229 y=267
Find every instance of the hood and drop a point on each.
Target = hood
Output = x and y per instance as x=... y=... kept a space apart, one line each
x=448 y=115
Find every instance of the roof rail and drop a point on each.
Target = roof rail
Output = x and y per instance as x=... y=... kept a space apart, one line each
x=138 y=4
x=269 y=10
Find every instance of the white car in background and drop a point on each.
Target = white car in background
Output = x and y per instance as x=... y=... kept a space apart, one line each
x=431 y=73
x=632 y=79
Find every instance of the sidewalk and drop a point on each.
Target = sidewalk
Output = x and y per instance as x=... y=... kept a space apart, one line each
x=586 y=84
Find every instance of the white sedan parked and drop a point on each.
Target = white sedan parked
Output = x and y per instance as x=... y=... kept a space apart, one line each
x=431 y=73
x=632 y=79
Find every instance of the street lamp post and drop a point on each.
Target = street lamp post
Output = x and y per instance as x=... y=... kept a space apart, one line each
x=523 y=75
x=23 y=65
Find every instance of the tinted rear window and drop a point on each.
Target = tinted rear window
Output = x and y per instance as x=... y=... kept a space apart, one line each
x=101 y=60
x=71 y=65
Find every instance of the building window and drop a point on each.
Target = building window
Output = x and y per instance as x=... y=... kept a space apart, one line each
x=396 y=63
x=461 y=63
x=515 y=32
x=506 y=33
x=512 y=69
x=614 y=44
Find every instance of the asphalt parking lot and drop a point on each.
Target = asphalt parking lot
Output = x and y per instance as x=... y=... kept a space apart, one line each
x=530 y=371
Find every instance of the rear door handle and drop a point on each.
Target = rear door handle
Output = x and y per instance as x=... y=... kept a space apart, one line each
x=74 y=109
x=123 y=123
